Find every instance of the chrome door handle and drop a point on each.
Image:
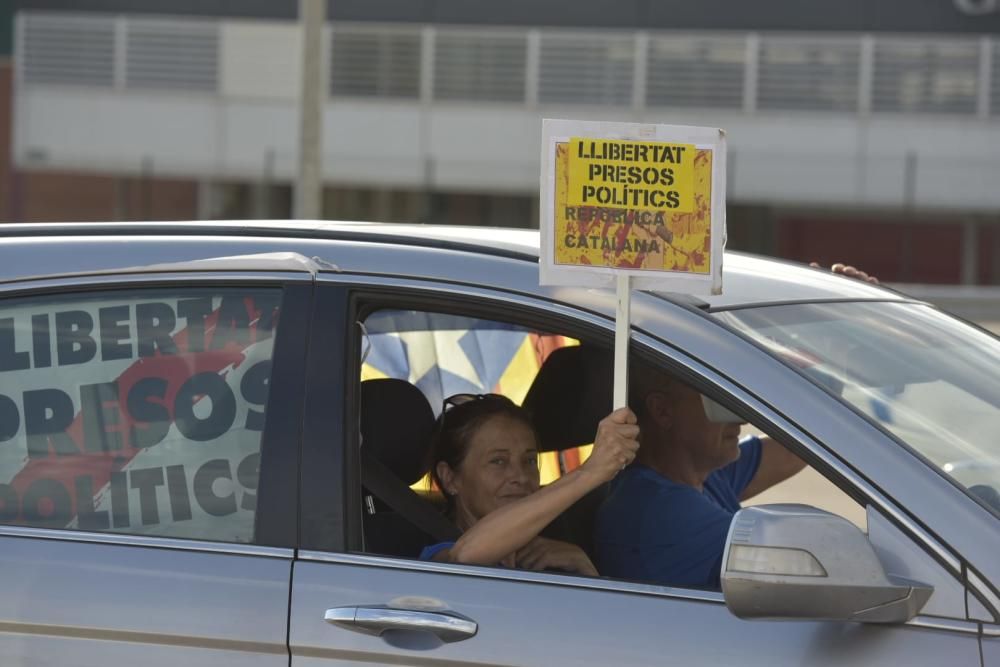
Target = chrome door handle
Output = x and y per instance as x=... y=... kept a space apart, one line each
x=448 y=626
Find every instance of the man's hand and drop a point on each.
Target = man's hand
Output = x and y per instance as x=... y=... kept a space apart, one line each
x=542 y=553
x=849 y=271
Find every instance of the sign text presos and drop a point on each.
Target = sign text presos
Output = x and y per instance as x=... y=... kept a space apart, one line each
x=637 y=175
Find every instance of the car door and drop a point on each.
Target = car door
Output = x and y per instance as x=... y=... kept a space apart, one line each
x=148 y=466
x=349 y=607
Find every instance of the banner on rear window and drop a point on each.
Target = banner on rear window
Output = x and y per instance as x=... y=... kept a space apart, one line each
x=139 y=413
x=647 y=200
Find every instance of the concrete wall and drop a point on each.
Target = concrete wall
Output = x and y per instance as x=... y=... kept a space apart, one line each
x=810 y=159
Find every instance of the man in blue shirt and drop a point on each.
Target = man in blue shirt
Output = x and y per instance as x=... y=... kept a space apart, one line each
x=668 y=514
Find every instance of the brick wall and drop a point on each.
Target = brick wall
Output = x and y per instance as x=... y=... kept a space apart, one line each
x=76 y=197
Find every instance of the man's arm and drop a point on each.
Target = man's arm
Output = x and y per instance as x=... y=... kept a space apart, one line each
x=776 y=465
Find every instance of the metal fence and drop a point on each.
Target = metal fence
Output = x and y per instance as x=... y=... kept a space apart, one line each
x=482 y=67
x=843 y=73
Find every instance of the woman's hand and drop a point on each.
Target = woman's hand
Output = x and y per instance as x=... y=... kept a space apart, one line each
x=511 y=527
x=542 y=553
x=615 y=445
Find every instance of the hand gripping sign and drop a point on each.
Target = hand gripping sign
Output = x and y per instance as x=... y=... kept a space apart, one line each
x=632 y=205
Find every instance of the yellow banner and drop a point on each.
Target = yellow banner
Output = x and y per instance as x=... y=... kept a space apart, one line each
x=647 y=175
x=662 y=222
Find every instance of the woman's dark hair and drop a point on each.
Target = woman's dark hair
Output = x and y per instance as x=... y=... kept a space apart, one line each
x=459 y=422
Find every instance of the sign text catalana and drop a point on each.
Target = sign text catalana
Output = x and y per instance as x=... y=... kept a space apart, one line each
x=647 y=200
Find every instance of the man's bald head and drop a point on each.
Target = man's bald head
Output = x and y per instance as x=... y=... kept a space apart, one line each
x=645 y=380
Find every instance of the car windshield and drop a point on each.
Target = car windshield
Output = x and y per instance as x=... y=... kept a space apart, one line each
x=932 y=380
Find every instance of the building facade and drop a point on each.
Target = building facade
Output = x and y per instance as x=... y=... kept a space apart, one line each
x=857 y=130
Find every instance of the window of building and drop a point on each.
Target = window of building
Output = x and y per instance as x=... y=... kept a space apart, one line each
x=452 y=208
x=913 y=76
x=180 y=55
x=375 y=62
x=586 y=68
x=73 y=50
x=814 y=74
x=695 y=71
x=479 y=67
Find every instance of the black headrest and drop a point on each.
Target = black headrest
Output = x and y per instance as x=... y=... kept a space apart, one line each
x=396 y=426
x=570 y=395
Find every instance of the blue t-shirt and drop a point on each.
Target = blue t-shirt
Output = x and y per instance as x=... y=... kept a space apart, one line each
x=429 y=552
x=653 y=529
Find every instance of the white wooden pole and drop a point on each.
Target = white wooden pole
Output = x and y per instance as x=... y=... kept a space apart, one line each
x=622 y=335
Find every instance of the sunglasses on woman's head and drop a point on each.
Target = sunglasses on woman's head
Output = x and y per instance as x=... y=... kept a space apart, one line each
x=461 y=399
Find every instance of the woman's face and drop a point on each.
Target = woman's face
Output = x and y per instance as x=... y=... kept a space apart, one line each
x=500 y=466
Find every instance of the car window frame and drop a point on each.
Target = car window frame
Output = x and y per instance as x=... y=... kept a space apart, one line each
x=277 y=491
x=324 y=497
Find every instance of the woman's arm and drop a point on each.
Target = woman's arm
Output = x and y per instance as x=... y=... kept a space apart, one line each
x=542 y=553
x=507 y=529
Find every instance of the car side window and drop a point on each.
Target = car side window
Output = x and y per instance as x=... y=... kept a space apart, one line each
x=666 y=519
x=810 y=487
x=136 y=412
x=650 y=523
x=440 y=355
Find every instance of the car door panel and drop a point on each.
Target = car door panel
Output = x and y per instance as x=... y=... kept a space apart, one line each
x=991 y=649
x=78 y=603
x=218 y=467
x=554 y=622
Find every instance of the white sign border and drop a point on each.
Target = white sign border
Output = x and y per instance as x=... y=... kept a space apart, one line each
x=550 y=273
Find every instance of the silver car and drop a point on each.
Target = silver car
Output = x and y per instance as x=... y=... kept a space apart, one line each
x=212 y=436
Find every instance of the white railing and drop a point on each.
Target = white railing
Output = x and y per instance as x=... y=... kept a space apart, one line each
x=752 y=72
x=118 y=52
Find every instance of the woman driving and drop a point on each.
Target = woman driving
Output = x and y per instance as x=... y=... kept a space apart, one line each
x=485 y=460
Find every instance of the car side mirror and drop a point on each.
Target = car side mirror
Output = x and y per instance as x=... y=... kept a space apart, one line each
x=799 y=562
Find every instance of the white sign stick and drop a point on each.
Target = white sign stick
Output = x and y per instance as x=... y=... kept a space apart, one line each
x=623 y=332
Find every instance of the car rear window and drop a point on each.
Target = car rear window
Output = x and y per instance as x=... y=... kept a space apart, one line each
x=135 y=412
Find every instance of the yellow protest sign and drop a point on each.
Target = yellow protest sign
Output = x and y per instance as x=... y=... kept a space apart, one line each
x=644 y=202
x=641 y=236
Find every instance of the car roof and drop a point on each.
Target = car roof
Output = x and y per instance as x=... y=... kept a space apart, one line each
x=747 y=279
